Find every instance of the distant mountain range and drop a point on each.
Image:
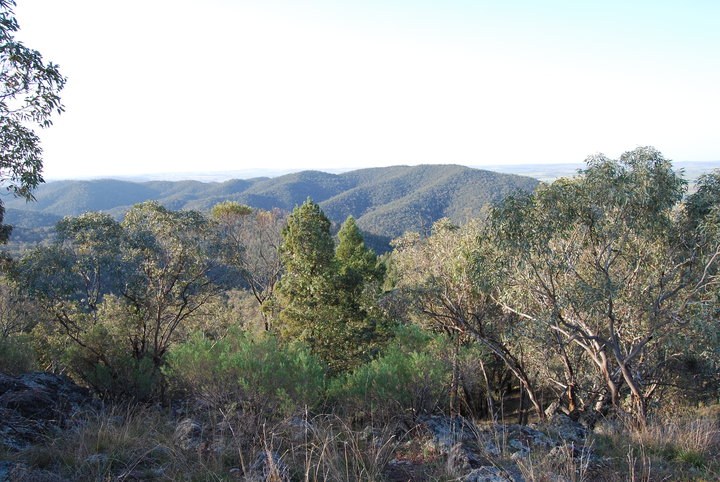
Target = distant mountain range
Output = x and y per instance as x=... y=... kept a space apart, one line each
x=386 y=201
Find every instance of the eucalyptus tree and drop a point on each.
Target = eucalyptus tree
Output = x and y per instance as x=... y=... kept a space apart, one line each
x=29 y=97
x=251 y=241
x=598 y=262
x=121 y=292
x=176 y=255
x=452 y=278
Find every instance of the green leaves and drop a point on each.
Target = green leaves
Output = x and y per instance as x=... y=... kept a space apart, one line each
x=328 y=297
x=29 y=95
x=121 y=291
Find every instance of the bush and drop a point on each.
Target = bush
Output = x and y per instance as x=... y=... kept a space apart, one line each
x=260 y=374
x=16 y=354
x=409 y=376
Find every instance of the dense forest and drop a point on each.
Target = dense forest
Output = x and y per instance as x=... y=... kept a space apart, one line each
x=286 y=344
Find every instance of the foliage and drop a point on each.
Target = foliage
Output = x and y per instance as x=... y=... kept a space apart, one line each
x=452 y=278
x=29 y=96
x=596 y=265
x=305 y=291
x=18 y=312
x=409 y=377
x=239 y=370
x=122 y=293
x=17 y=354
x=328 y=298
x=251 y=243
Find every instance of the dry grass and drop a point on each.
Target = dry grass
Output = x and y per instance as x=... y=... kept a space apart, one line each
x=669 y=448
x=130 y=443
x=565 y=462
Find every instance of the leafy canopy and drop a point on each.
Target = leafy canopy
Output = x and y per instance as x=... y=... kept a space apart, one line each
x=29 y=96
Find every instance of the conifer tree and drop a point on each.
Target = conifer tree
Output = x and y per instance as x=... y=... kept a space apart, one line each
x=327 y=298
x=359 y=279
x=305 y=290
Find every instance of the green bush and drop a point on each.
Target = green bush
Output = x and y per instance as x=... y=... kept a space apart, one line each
x=260 y=374
x=106 y=365
x=409 y=376
x=17 y=354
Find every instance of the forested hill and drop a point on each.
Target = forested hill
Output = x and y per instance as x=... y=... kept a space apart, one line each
x=385 y=201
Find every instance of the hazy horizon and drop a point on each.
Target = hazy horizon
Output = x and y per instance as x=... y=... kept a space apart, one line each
x=178 y=86
x=541 y=171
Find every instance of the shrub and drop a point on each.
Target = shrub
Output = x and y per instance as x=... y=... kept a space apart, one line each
x=16 y=354
x=260 y=374
x=408 y=377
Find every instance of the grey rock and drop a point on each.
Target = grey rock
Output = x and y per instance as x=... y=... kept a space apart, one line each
x=520 y=454
x=448 y=431
x=567 y=429
x=563 y=454
x=268 y=467
x=461 y=459
x=188 y=434
x=491 y=449
x=34 y=404
x=488 y=474
x=96 y=459
x=12 y=472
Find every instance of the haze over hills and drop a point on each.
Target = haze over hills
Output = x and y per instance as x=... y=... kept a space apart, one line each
x=386 y=201
x=543 y=172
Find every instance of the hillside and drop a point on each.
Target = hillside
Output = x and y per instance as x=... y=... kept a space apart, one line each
x=385 y=201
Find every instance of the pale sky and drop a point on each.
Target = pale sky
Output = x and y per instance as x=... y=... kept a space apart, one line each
x=176 y=86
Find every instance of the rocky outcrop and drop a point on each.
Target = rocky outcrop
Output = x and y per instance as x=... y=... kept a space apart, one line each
x=497 y=452
x=35 y=404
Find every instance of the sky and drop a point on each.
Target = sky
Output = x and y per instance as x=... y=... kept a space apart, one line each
x=177 y=86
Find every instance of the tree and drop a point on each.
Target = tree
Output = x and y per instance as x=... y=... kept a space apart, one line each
x=175 y=254
x=121 y=292
x=327 y=299
x=597 y=262
x=358 y=286
x=29 y=96
x=251 y=244
x=306 y=289
x=452 y=278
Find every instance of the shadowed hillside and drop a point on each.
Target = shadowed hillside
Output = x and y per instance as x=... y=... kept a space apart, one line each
x=385 y=201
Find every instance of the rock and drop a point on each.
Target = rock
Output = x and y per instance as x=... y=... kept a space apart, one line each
x=12 y=472
x=96 y=459
x=488 y=474
x=42 y=396
x=567 y=429
x=520 y=454
x=34 y=403
x=268 y=467
x=491 y=449
x=405 y=470
x=143 y=474
x=527 y=437
x=188 y=434
x=461 y=459
x=571 y=455
x=448 y=431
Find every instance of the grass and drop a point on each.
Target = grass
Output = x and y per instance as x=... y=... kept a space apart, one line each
x=138 y=442
x=669 y=448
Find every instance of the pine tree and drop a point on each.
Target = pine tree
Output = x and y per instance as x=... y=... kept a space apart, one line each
x=306 y=289
x=327 y=298
x=359 y=282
